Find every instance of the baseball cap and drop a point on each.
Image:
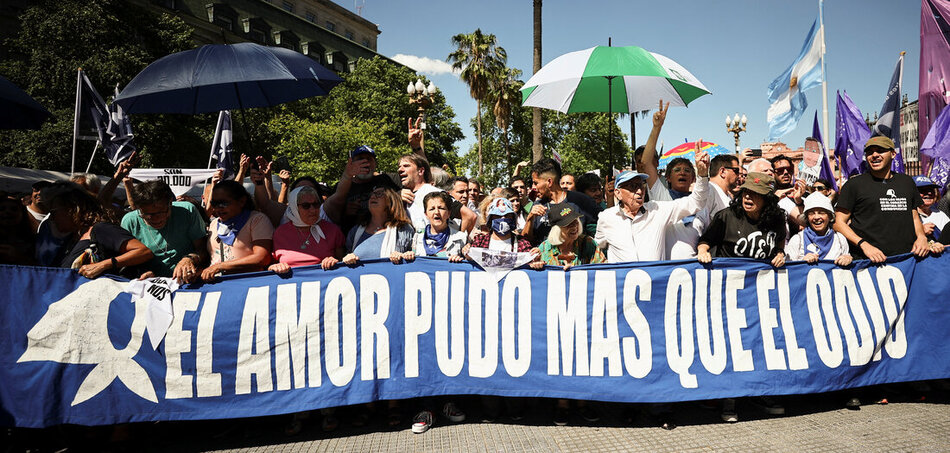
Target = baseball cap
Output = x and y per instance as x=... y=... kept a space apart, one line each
x=923 y=181
x=500 y=207
x=563 y=214
x=628 y=175
x=759 y=183
x=362 y=149
x=880 y=141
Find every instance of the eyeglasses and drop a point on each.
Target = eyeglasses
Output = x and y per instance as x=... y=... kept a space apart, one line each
x=308 y=206
x=782 y=170
x=821 y=188
x=152 y=215
x=220 y=204
x=734 y=169
x=377 y=193
x=875 y=149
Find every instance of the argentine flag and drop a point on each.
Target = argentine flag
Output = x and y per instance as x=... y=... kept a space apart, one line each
x=786 y=92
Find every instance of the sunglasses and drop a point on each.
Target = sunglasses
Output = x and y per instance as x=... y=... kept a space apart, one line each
x=783 y=170
x=220 y=204
x=734 y=169
x=152 y=215
x=822 y=188
x=377 y=193
x=308 y=206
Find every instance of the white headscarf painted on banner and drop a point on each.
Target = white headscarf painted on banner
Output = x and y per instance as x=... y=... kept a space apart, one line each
x=293 y=215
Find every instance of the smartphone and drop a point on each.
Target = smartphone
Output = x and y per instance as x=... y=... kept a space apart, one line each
x=755 y=152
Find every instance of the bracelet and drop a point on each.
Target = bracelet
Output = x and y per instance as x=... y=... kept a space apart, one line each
x=115 y=264
x=861 y=242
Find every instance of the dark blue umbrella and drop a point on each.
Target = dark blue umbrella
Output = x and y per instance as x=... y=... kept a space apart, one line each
x=18 y=110
x=223 y=77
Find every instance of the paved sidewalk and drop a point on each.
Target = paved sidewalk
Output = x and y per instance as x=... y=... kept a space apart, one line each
x=815 y=423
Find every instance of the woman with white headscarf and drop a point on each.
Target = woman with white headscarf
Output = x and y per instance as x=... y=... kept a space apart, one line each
x=306 y=239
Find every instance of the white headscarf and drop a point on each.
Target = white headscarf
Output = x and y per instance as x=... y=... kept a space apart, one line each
x=293 y=215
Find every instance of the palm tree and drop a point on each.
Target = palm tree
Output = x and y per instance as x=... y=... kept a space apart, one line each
x=478 y=56
x=536 y=113
x=505 y=91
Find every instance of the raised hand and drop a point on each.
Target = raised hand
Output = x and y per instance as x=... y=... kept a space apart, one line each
x=702 y=161
x=660 y=116
x=415 y=134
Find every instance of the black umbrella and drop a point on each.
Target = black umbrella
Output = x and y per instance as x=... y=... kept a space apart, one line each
x=18 y=110
x=222 y=77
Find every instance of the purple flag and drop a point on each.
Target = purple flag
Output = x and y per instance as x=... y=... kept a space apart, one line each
x=889 y=124
x=934 y=63
x=851 y=133
x=826 y=172
x=937 y=147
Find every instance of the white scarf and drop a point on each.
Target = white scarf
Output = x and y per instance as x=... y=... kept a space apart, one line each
x=389 y=240
x=293 y=215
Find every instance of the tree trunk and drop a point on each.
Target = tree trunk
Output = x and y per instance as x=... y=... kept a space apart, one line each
x=478 y=107
x=633 y=140
x=536 y=112
x=504 y=141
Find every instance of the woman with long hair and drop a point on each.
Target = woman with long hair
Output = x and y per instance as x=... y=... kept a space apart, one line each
x=94 y=244
x=385 y=233
x=241 y=238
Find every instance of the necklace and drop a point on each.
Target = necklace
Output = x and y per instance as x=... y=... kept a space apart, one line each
x=306 y=242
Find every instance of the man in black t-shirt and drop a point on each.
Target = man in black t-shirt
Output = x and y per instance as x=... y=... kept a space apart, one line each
x=877 y=210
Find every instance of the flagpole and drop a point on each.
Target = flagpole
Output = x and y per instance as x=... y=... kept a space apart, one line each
x=89 y=166
x=824 y=76
x=72 y=167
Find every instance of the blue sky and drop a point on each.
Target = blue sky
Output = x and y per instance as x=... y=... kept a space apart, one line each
x=736 y=48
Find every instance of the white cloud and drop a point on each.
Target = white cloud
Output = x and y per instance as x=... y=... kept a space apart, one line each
x=425 y=65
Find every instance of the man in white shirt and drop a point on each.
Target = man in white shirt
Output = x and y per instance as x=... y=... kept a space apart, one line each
x=723 y=178
x=416 y=177
x=635 y=229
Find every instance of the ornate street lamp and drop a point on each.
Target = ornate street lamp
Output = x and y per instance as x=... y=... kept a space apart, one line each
x=736 y=125
x=422 y=97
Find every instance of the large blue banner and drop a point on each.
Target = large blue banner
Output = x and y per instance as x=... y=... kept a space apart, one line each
x=74 y=350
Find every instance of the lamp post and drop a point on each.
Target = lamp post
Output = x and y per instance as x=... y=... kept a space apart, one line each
x=736 y=125
x=421 y=96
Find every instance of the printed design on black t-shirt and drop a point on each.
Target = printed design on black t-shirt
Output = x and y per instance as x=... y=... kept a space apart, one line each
x=757 y=245
x=891 y=202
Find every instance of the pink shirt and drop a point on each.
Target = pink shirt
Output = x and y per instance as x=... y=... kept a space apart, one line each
x=258 y=227
x=288 y=241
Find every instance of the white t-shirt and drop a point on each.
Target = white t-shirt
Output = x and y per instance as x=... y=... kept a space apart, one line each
x=417 y=210
x=938 y=218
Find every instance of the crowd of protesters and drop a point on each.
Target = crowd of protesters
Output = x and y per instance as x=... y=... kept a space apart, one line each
x=719 y=207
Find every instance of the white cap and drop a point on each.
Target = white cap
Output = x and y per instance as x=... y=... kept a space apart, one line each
x=818 y=200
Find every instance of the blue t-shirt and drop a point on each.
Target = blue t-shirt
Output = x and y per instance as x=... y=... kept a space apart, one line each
x=368 y=246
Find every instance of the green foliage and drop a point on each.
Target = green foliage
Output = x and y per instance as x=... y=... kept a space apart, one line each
x=580 y=139
x=112 y=40
x=371 y=108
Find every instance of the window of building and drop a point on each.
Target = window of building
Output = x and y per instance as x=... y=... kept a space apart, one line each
x=366 y=42
x=349 y=35
x=226 y=23
x=331 y=26
x=311 y=16
x=287 y=6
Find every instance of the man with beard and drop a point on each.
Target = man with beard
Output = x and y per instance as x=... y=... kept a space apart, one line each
x=877 y=210
x=567 y=182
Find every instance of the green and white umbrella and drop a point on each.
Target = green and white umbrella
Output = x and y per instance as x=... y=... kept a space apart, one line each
x=635 y=79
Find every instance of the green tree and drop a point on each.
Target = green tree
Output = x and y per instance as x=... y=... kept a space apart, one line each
x=479 y=57
x=370 y=107
x=112 y=40
x=504 y=92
